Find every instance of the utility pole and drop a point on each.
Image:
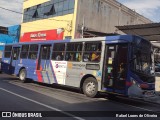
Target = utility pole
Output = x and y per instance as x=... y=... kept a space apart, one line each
x=83 y=27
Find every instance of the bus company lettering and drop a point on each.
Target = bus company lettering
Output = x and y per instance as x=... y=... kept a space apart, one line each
x=38 y=35
x=60 y=66
x=79 y=65
x=60 y=62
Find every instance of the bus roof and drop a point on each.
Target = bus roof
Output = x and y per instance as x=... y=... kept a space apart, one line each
x=108 y=39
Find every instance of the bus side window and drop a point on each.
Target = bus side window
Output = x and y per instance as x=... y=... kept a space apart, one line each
x=92 y=52
x=7 y=51
x=33 y=51
x=58 y=51
x=73 y=52
x=15 y=55
x=24 y=51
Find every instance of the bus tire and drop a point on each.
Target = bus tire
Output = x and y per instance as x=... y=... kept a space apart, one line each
x=22 y=75
x=90 y=87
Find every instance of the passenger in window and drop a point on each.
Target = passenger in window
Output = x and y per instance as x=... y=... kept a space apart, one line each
x=121 y=73
x=14 y=56
x=33 y=56
x=78 y=57
x=67 y=56
x=86 y=58
x=71 y=57
x=95 y=56
x=59 y=56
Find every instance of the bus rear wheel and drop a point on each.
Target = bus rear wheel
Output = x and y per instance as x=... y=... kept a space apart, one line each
x=22 y=75
x=90 y=87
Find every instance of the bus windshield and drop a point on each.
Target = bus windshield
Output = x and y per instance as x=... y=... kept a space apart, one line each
x=141 y=61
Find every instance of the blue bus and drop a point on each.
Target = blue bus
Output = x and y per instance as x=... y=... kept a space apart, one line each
x=118 y=65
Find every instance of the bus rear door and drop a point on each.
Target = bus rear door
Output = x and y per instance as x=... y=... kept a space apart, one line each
x=115 y=68
x=14 y=60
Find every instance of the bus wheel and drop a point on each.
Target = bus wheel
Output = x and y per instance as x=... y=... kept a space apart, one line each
x=22 y=75
x=90 y=87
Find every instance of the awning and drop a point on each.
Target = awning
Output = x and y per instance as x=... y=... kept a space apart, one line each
x=150 y=31
x=90 y=33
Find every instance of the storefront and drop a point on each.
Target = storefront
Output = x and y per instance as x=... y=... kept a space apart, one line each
x=46 y=35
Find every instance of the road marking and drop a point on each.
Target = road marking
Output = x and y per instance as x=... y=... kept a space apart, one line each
x=57 y=95
x=39 y=103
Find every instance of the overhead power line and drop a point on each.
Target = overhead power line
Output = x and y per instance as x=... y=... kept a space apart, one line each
x=10 y=10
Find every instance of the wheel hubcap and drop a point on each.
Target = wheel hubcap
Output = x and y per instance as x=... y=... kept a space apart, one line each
x=22 y=76
x=90 y=88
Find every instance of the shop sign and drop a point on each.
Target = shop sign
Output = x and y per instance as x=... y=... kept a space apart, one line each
x=42 y=36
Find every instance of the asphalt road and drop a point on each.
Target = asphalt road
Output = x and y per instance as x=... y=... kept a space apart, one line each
x=68 y=103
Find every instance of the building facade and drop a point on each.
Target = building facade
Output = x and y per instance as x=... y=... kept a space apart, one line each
x=11 y=35
x=77 y=18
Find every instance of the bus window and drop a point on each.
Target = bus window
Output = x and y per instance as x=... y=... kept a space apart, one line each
x=15 y=53
x=24 y=51
x=58 y=51
x=7 y=51
x=45 y=52
x=122 y=62
x=33 y=52
x=73 y=52
x=92 y=52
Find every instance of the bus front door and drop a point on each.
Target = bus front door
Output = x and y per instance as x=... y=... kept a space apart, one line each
x=115 y=68
x=44 y=56
x=14 y=60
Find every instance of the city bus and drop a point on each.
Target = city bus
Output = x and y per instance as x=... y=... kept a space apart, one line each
x=124 y=64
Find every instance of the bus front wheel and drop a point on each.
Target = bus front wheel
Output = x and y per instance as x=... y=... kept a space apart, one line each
x=90 y=87
x=22 y=75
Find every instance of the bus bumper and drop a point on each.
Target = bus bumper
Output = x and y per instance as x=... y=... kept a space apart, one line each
x=134 y=91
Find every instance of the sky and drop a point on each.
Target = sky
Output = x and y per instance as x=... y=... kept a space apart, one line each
x=8 y=18
x=147 y=8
